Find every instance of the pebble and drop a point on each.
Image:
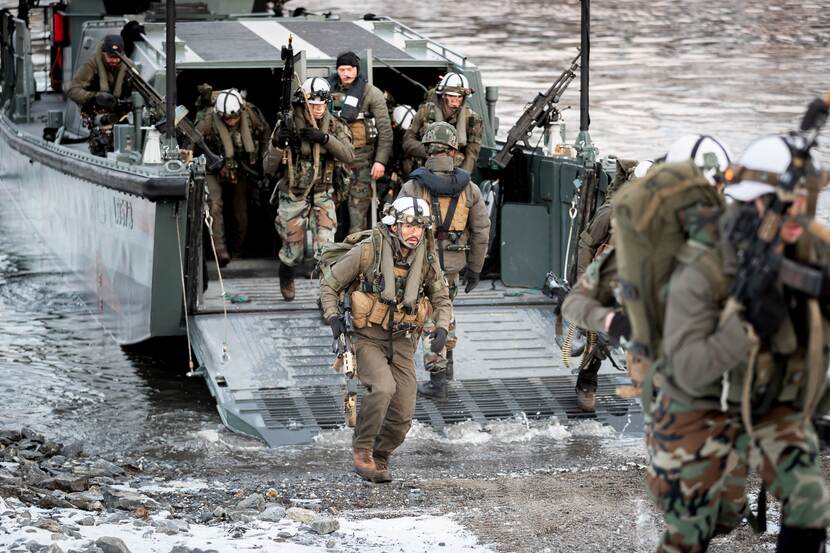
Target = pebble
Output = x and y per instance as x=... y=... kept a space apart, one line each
x=325 y=525
x=86 y=521
x=298 y=514
x=254 y=502
x=273 y=513
x=112 y=545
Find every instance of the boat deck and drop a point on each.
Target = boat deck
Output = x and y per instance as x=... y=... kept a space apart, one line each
x=269 y=362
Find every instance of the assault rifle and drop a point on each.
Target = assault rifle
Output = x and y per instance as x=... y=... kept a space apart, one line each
x=541 y=113
x=285 y=115
x=155 y=103
x=760 y=263
x=344 y=349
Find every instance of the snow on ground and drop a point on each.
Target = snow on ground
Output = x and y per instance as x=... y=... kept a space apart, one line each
x=413 y=534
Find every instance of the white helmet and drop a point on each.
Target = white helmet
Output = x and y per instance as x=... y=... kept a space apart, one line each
x=316 y=90
x=407 y=209
x=761 y=165
x=707 y=152
x=403 y=115
x=454 y=84
x=229 y=103
x=642 y=168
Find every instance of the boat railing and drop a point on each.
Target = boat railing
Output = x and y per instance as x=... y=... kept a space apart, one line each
x=414 y=38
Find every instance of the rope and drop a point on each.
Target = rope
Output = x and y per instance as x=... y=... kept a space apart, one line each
x=209 y=223
x=572 y=214
x=190 y=365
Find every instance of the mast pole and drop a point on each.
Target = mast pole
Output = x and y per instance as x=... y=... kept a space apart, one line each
x=170 y=77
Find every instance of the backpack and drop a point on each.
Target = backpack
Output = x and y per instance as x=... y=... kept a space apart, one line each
x=649 y=232
x=332 y=252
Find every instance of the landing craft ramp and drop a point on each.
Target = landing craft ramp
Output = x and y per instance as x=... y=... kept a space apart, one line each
x=276 y=380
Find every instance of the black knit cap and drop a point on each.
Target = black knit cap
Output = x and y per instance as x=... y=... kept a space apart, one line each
x=113 y=44
x=348 y=58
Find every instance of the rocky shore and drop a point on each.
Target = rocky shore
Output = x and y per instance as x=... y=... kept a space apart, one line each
x=56 y=498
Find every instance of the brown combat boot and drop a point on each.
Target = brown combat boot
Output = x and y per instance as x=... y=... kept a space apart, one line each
x=364 y=464
x=287 y=282
x=586 y=386
x=382 y=474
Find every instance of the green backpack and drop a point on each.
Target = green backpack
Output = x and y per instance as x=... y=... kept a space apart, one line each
x=647 y=219
x=332 y=252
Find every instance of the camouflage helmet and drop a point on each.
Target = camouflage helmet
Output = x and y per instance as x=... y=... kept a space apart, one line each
x=441 y=133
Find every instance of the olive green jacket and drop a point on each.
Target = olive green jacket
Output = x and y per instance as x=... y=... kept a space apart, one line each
x=86 y=82
x=476 y=234
x=374 y=102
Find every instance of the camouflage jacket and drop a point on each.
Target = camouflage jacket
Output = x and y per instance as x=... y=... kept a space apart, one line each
x=592 y=297
x=335 y=156
x=467 y=155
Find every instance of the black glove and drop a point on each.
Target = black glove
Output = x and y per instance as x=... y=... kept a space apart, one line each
x=439 y=340
x=338 y=327
x=766 y=312
x=313 y=135
x=105 y=100
x=281 y=138
x=472 y=280
x=620 y=327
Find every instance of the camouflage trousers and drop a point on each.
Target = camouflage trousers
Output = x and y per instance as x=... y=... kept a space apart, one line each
x=315 y=214
x=437 y=362
x=360 y=191
x=699 y=464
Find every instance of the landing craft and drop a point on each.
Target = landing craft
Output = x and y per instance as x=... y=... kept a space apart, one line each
x=130 y=224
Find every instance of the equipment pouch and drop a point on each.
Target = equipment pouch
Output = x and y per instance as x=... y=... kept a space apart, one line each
x=362 y=306
x=358 y=129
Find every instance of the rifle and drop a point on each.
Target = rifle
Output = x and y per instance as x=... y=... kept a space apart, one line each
x=541 y=113
x=156 y=104
x=285 y=115
x=760 y=262
x=344 y=349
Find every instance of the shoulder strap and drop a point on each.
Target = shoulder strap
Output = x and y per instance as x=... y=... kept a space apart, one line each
x=450 y=213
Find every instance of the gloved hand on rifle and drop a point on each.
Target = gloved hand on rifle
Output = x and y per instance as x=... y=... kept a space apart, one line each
x=765 y=312
x=338 y=327
x=471 y=279
x=313 y=135
x=617 y=326
x=439 y=340
x=281 y=138
x=105 y=100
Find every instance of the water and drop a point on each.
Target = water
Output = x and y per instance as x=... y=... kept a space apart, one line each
x=658 y=70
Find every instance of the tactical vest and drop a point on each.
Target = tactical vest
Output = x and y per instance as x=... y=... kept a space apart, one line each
x=304 y=168
x=368 y=307
x=364 y=129
x=238 y=139
x=460 y=213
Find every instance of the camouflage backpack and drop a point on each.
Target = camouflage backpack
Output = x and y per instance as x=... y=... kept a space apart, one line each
x=649 y=232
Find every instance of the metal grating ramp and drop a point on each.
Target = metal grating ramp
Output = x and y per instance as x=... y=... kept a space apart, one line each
x=276 y=380
x=300 y=414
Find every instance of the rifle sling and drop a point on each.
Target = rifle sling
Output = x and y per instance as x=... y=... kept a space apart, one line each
x=437 y=214
x=442 y=227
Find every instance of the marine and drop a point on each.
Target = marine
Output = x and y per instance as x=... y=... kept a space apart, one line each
x=449 y=106
x=236 y=128
x=309 y=161
x=394 y=280
x=363 y=107
x=101 y=80
x=461 y=225
x=739 y=382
